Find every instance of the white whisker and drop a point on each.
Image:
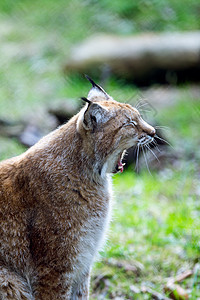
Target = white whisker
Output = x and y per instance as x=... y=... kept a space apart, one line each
x=137 y=158
x=144 y=111
x=162 y=127
x=146 y=160
x=138 y=104
x=141 y=104
x=156 y=146
x=163 y=140
x=152 y=153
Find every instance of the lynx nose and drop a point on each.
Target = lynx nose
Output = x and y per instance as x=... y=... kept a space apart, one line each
x=152 y=132
x=148 y=129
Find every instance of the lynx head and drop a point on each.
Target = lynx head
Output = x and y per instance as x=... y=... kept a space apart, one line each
x=108 y=128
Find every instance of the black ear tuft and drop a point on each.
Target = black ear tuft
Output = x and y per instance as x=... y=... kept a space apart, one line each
x=95 y=85
x=86 y=100
x=90 y=80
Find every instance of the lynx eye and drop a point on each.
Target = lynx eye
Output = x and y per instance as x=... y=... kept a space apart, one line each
x=131 y=123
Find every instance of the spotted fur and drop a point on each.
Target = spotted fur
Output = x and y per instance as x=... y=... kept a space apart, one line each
x=55 y=201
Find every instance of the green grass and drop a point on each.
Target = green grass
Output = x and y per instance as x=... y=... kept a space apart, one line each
x=154 y=224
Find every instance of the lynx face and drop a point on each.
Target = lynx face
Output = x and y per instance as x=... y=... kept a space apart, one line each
x=110 y=127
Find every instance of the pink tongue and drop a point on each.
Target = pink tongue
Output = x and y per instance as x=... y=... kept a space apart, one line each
x=120 y=165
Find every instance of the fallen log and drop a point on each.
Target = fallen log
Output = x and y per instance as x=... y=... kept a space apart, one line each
x=135 y=57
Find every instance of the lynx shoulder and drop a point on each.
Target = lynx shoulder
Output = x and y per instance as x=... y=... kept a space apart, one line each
x=55 y=200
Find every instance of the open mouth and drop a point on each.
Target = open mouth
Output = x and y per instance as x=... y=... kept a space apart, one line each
x=119 y=166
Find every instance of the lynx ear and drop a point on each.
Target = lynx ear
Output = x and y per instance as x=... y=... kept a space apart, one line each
x=97 y=93
x=94 y=116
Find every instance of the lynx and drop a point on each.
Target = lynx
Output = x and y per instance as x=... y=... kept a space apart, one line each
x=55 y=200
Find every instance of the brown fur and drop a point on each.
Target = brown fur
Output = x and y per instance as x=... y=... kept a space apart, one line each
x=55 y=201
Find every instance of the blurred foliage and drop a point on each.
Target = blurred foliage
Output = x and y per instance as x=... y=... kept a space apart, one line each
x=36 y=38
x=76 y=17
x=156 y=15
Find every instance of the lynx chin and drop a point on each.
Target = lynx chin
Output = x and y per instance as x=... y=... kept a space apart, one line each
x=55 y=200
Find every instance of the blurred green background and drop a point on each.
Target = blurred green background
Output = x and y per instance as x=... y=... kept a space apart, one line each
x=155 y=230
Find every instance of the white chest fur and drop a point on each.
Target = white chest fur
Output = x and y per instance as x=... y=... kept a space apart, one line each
x=93 y=236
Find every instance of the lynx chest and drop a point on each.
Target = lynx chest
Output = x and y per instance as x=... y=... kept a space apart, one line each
x=93 y=231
